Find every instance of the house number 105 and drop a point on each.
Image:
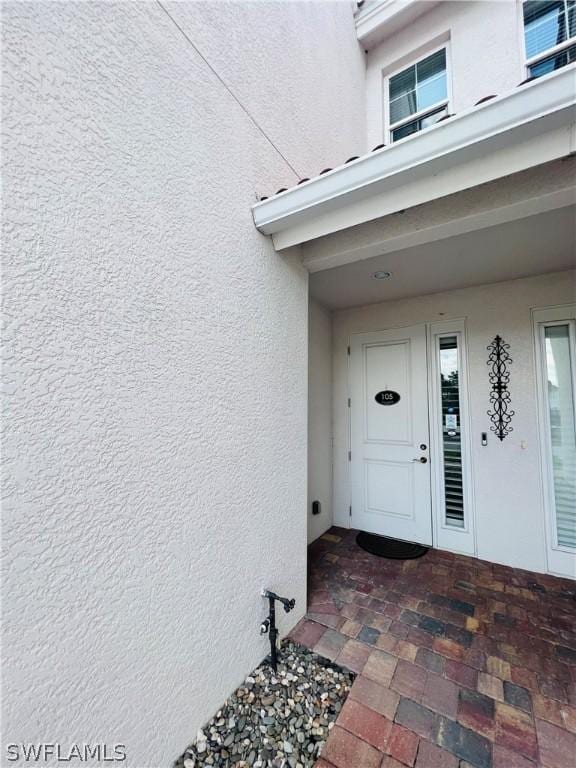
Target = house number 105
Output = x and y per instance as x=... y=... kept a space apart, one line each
x=387 y=397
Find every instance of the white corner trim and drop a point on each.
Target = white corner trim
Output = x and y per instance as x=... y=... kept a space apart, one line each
x=527 y=127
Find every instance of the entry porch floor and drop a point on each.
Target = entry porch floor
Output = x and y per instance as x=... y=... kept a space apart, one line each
x=459 y=662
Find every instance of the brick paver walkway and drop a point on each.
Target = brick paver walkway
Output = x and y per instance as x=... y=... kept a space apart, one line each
x=460 y=662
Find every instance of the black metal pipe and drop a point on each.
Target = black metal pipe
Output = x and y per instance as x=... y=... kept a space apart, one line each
x=273 y=634
x=286 y=602
x=269 y=624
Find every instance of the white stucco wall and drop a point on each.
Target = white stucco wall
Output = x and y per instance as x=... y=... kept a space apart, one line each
x=319 y=418
x=485 y=54
x=155 y=354
x=506 y=475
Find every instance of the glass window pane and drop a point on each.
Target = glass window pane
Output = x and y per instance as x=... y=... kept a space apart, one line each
x=402 y=94
x=417 y=125
x=402 y=107
x=451 y=431
x=544 y=25
x=431 y=67
x=402 y=83
x=560 y=398
x=431 y=79
x=433 y=118
x=418 y=87
x=432 y=91
x=551 y=63
x=572 y=19
x=406 y=130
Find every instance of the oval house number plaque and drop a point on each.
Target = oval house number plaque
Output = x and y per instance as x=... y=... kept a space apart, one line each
x=387 y=397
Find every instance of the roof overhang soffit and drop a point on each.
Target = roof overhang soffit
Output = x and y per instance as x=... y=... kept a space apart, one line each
x=533 y=125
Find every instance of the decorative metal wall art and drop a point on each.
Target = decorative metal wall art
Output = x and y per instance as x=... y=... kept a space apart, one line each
x=499 y=375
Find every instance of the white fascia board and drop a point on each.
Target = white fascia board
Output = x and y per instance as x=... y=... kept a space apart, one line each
x=384 y=19
x=530 y=126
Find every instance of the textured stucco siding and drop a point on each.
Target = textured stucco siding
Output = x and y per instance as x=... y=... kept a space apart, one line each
x=155 y=425
x=319 y=418
x=506 y=476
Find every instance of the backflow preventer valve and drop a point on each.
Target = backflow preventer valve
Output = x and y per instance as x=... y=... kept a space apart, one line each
x=268 y=626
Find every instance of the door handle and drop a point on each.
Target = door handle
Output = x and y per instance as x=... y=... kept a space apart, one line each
x=421 y=460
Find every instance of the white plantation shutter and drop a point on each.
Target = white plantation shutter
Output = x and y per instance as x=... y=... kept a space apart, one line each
x=451 y=430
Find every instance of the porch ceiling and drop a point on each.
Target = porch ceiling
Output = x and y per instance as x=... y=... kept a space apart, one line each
x=530 y=246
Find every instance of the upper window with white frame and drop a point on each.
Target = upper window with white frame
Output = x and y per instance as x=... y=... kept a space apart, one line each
x=549 y=35
x=418 y=95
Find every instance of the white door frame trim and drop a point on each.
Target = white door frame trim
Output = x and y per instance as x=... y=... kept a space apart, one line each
x=450 y=538
x=560 y=560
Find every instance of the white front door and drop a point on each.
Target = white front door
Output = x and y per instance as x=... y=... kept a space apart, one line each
x=389 y=434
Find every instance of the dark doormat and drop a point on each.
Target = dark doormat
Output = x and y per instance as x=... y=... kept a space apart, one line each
x=393 y=549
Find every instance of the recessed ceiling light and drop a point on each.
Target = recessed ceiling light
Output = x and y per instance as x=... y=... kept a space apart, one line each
x=382 y=275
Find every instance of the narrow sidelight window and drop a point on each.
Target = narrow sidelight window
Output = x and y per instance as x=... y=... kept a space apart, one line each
x=451 y=430
x=559 y=395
